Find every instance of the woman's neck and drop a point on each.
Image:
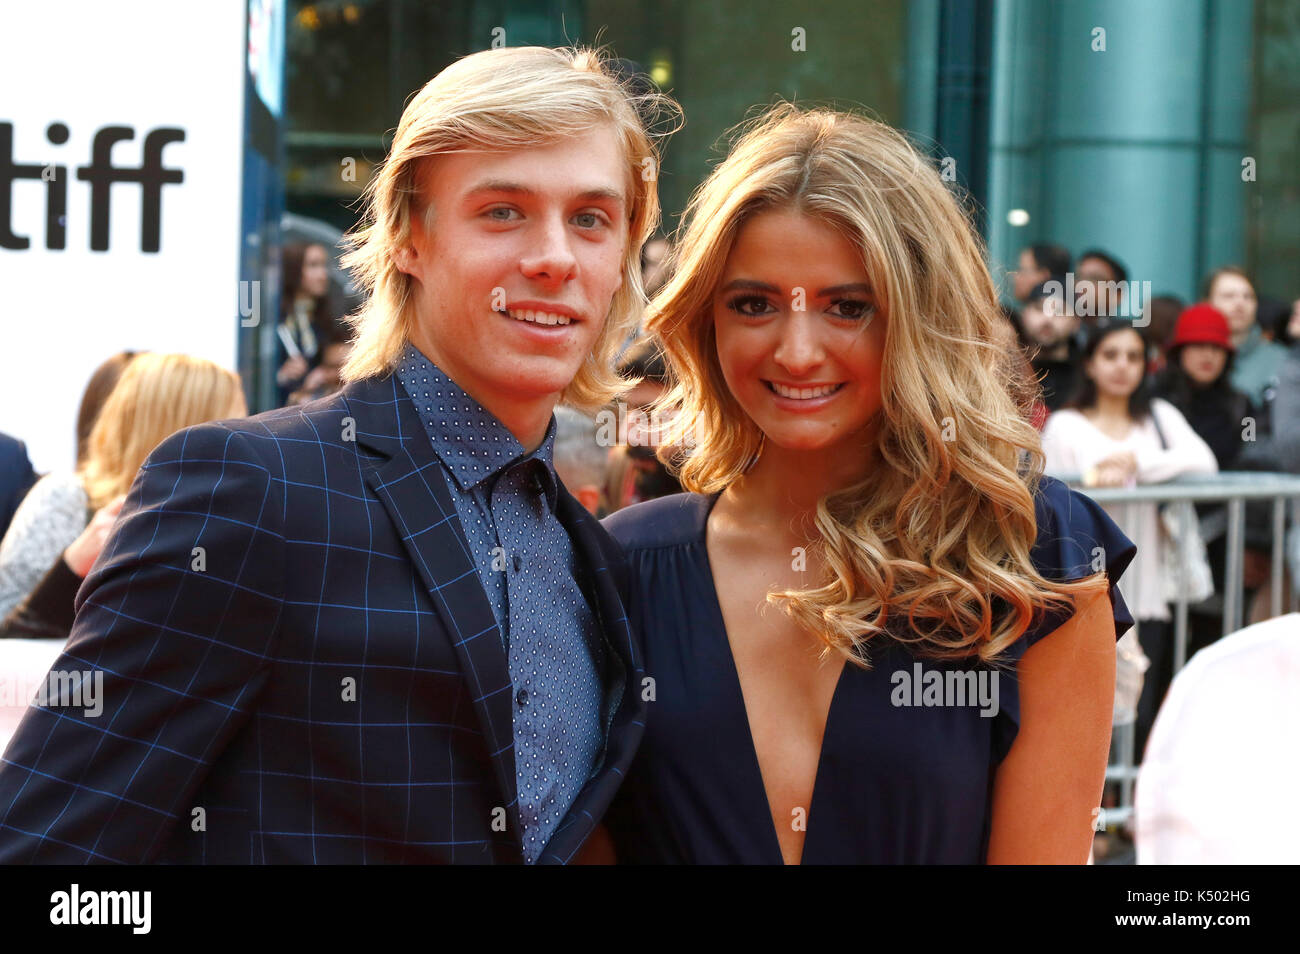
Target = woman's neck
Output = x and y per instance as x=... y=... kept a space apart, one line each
x=1111 y=407
x=779 y=493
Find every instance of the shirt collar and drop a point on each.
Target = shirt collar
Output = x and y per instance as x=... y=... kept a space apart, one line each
x=470 y=441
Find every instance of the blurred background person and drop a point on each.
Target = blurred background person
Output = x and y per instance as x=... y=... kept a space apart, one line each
x=1273 y=317
x=323 y=380
x=16 y=478
x=1100 y=284
x=635 y=472
x=1218 y=782
x=102 y=381
x=580 y=462
x=654 y=264
x=1049 y=324
x=1284 y=411
x=1257 y=359
x=101 y=384
x=1275 y=446
x=1038 y=263
x=16 y=473
x=1197 y=379
x=1161 y=313
x=60 y=527
x=654 y=272
x=310 y=314
x=1113 y=433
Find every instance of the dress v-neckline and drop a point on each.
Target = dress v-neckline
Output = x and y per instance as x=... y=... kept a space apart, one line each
x=756 y=769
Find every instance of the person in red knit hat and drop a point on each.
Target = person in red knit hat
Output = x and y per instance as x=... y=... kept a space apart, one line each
x=1196 y=380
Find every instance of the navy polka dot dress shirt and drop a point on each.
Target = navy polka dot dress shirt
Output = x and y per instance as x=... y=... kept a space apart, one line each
x=506 y=503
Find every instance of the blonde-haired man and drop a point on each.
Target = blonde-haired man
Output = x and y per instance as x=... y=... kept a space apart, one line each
x=376 y=627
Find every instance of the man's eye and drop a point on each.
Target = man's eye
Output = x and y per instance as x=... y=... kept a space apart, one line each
x=587 y=220
x=502 y=214
x=751 y=305
x=853 y=309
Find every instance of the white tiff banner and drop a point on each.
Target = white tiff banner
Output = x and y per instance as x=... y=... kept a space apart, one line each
x=121 y=145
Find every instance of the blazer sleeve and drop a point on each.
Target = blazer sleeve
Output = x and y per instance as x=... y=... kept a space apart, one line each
x=174 y=630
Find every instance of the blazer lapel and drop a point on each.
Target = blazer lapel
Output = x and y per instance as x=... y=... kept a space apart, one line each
x=604 y=579
x=606 y=582
x=411 y=485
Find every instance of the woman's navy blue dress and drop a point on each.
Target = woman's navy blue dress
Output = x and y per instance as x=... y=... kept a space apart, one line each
x=905 y=783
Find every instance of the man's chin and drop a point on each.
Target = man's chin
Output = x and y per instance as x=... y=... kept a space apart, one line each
x=533 y=384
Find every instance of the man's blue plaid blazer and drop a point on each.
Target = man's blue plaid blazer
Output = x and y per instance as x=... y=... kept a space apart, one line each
x=300 y=663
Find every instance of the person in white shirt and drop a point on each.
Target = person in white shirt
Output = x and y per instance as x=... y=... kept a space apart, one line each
x=1107 y=433
x=1219 y=780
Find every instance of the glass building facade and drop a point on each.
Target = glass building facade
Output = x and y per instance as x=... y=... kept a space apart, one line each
x=1164 y=131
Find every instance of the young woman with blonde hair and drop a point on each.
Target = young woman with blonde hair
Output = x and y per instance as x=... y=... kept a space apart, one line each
x=61 y=526
x=842 y=619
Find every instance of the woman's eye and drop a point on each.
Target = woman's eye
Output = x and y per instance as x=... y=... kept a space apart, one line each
x=751 y=305
x=853 y=309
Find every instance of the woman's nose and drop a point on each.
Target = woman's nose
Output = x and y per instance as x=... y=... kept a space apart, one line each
x=799 y=349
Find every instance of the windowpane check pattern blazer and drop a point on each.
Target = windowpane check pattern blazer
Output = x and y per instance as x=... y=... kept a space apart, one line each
x=298 y=662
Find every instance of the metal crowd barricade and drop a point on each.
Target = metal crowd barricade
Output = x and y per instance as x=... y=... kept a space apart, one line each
x=1234 y=488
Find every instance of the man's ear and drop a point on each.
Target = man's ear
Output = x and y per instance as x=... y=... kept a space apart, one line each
x=404 y=257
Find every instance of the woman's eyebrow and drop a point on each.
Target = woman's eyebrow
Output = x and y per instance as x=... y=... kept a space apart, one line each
x=862 y=287
x=750 y=285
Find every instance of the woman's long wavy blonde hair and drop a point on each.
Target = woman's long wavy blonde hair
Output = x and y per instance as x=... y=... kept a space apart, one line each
x=507 y=98
x=156 y=396
x=939 y=528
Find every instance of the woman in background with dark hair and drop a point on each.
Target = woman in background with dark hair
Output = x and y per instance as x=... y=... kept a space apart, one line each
x=309 y=313
x=1115 y=434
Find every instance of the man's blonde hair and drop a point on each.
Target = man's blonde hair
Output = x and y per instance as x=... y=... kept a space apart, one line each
x=508 y=98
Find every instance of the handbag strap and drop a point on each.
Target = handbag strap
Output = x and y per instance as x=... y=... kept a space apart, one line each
x=1164 y=444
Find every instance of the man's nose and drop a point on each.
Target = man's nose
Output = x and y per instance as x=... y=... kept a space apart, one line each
x=550 y=258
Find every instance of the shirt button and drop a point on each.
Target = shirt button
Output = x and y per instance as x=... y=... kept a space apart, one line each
x=521 y=697
x=519 y=563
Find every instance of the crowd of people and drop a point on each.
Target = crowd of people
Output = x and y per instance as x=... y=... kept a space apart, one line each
x=1141 y=396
